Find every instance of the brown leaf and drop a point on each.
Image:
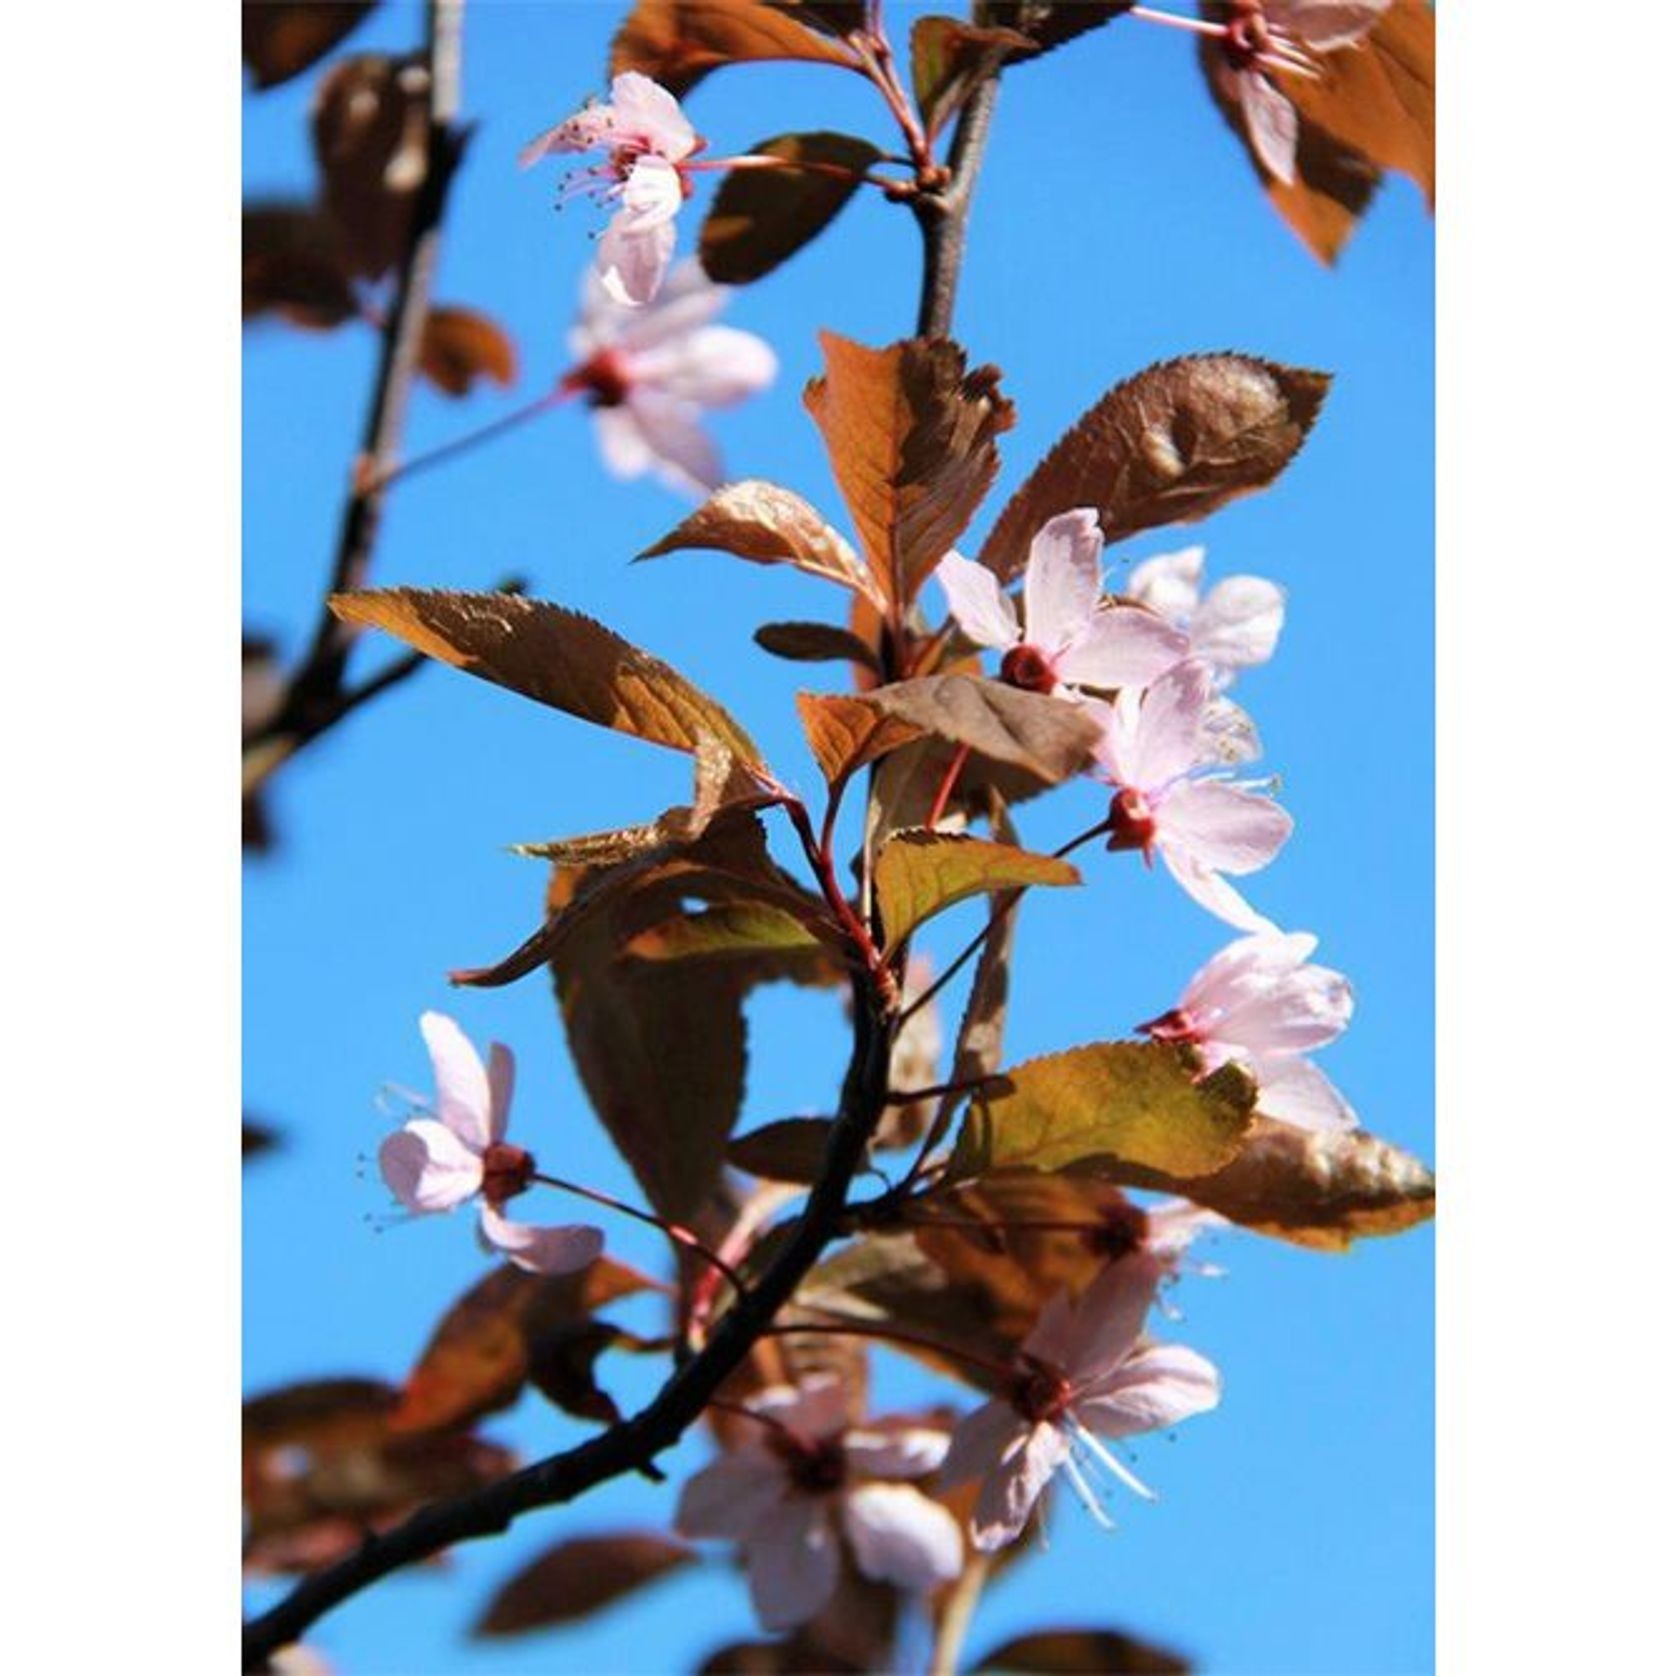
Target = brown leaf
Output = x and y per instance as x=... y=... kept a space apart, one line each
x=738 y=930
x=816 y=643
x=847 y=733
x=1380 y=96
x=578 y=1578
x=556 y=657
x=282 y=40
x=1168 y=446
x=1098 y=1107
x=478 y=1359
x=951 y=57
x=1050 y=23
x=295 y=267
x=371 y=123
x=460 y=346
x=1047 y=736
x=678 y=42
x=919 y=873
x=760 y=218
x=911 y=436
x=834 y=17
x=1321 y=1189
x=765 y=524
x=1080 y=1652
x=792 y=1149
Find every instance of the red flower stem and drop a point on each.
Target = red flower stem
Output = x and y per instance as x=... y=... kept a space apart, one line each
x=891 y=1335
x=819 y=853
x=674 y=1230
x=474 y=439
x=946 y=789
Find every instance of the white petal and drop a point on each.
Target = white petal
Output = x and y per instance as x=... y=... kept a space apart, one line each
x=985 y=614
x=1010 y=1490
x=541 y=1250
x=651 y=113
x=980 y=1439
x=1156 y=738
x=1299 y=1092
x=1304 y=1009
x=902 y=1537
x=1062 y=579
x=1223 y=827
x=501 y=1072
x=1245 y=965
x=715 y=366
x=1121 y=647
x=901 y=1452
x=622 y=443
x=728 y=1497
x=1238 y=622
x=632 y=260
x=463 y=1101
x=428 y=1168
x=1109 y=1318
x=793 y=1562
x=1227 y=734
x=689 y=300
x=651 y=195
x=1169 y=583
x=817 y=1409
x=680 y=449
x=1327 y=25
x=1212 y=892
x=1156 y=1387
x=1054 y=1333
x=1271 y=120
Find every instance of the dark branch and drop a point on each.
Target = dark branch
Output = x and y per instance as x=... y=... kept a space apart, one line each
x=942 y=216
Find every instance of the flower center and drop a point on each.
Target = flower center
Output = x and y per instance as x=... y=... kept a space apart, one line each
x=1132 y=823
x=506 y=1170
x=1026 y=667
x=1040 y=1391
x=1173 y=1026
x=816 y=1466
x=1248 y=34
x=1121 y=1233
x=602 y=380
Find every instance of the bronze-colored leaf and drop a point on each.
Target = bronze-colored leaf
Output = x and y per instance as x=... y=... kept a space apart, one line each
x=372 y=138
x=760 y=218
x=295 y=267
x=1050 y=23
x=734 y=930
x=478 y=1359
x=281 y=39
x=912 y=439
x=1048 y=736
x=847 y=733
x=1380 y=95
x=1321 y=1189
x=678 y=42
x=768 y=525
x=1108 y=1104
x=1080 y=1652
x=1168 y=446
x=950 y=57
x=555 y=656
x=834 y=17
x=791 y=1149
x=580 y=1577
x=816 y=643
x=460 y=347
x=919 y=873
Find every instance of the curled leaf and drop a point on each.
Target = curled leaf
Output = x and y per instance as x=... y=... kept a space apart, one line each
x=678 y=42
x=460 y=347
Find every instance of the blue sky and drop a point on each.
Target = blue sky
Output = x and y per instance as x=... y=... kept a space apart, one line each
x=1116 y=224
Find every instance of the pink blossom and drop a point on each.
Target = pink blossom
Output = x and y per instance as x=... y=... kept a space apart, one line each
x=1233 y=627
x=1266 y=38
x=804 y=1480
x=1261 y=1004
x=1153 y=752
x=647 y=138
x=1068 y=638
x=1083 y=1375
x=437 y=1163
x=650 y=373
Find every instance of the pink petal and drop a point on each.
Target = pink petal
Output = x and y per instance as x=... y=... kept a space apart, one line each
x=680 y=450
x=1155 y=734
x=1009 y=1492
x=902 y=1537
x=901 y=1452
x=689 y=300
x=1062 y=579
x=714 y=366
x=792 y=1562
x=1238 y=622
x=622 y=443
x=500 y=1089
x=1271 y=120
x=1156 y=1387
x=816 y=1409
x=632 y=257
x=728 y=1497
x=984 y=614
x=1244 y=966
x=1168 y=583
x=1173 y=1224
x=652 y=114
x=1221 y=826
x=1227 y=734
x=1305 y=1009
x=1327 y=25
x=1212 y=892
x=1109 y=1317
x=463 y=1100
x=1122 y=647
x=1053 y=1336
x=1298 y=1092
x=591 y=127
x=980 y=1439
x=541 y=1250
x=428 y=1168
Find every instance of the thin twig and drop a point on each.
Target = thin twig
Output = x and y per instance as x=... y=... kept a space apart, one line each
x=956 y=1616
x=942 y=216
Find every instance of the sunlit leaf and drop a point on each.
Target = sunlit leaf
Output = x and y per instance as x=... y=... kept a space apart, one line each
x=920 y=873
x=1079 y=1652
x=281 y=39
x=847 y=733
x=580 y=1577
x=911 y=436
x=760 y=218
x=1050 y=23
x=731 y=930
x=555 y=656
x=677 y=42
x=1168 y=446
x=460 y=348
x=950 y=57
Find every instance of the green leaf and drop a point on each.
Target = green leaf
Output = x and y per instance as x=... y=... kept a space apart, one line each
x=731 y=929
x=1108 y=1104
x=760 y=218
x=554 y=656
x=920 y=873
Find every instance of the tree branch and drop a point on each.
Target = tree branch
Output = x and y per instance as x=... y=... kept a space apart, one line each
x=942 y=216
x=632 y=1445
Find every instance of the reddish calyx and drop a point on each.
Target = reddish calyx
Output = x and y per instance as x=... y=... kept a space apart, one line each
x=1121 y=1232
x=1248 y=34
x=1131 y=824
x=602 y=380
x=816 y=1466
x=1026 y=667
x=1040 y=1392
x=507 y=1170
x=1173 y=1026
